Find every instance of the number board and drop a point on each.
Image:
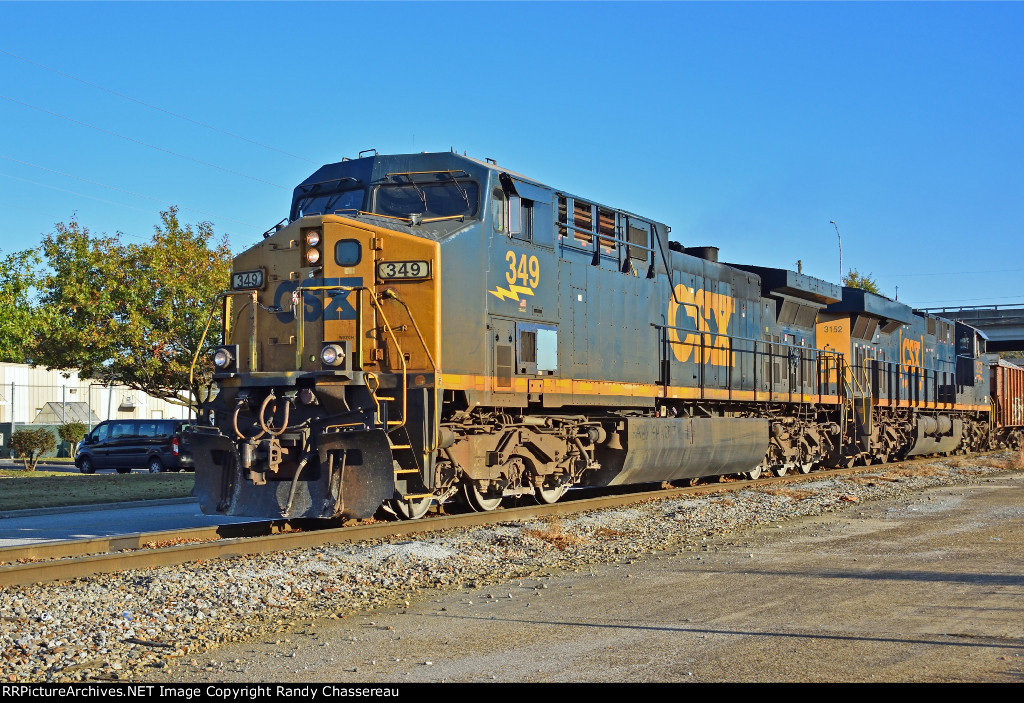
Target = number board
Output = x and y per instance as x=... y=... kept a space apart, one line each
x=247 y=279
x=403 y=269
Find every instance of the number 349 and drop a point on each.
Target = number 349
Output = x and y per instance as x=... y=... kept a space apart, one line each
x=525 y=269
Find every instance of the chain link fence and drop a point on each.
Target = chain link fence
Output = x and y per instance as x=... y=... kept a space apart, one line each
x=35 y=405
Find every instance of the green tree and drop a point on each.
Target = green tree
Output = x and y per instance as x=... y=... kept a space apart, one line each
x=133 y=314
x=72 y=433
x=31 y=444
x=19 y=275
x=855 y=279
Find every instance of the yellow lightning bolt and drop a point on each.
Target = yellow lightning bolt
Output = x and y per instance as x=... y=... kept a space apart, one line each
x=512 y=293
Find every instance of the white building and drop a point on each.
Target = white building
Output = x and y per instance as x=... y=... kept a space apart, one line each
x=31 y=395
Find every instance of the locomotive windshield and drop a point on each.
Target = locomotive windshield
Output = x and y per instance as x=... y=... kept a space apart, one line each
x=324 y=203
x=428 y=199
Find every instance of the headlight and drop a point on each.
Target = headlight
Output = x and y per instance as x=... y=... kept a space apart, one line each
x=222 y=358
x=312 y=237
x=312 y=256
x=332 y=355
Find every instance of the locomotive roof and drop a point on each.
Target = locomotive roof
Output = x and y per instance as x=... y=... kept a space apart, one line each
x=375 y=169
x=858 y=300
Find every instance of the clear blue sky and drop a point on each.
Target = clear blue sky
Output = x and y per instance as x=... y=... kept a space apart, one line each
x=744 y=126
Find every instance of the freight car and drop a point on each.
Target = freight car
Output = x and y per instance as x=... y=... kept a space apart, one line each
x=429 y=326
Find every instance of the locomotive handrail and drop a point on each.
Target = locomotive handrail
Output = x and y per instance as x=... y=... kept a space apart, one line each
x=827 y=352
x=391 y=294
x=209 y=320
x=774 y=350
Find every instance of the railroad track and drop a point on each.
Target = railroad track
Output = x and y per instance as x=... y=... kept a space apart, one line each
x=70 y=559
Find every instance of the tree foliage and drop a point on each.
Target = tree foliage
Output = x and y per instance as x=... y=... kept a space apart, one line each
x=18 y=276
x=31 y=444
x=132 y=314
x=864 y=281
x=72 y=433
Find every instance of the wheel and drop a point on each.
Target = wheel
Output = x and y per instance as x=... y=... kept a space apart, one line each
x=805 y=468
x=547 y=496
x=781 y=470
x=476 y=500
x=124 y=470
x=411 y=509
x=754 y=473
x=87 y=466
x=155 y=466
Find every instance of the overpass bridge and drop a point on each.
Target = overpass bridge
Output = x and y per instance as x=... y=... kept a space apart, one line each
x=1002 y=324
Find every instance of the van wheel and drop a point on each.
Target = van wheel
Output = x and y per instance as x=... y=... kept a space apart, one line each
x=155 y=466
x=124 y=471
x=87 y=467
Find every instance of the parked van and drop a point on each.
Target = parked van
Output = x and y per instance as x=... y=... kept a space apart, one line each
x=123 y=445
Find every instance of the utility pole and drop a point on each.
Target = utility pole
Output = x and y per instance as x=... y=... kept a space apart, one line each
x=833 y=223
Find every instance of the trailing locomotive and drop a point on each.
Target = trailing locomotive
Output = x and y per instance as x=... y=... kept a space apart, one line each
x=425 y=326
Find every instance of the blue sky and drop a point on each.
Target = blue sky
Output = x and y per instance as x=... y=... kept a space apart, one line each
x=744 y=126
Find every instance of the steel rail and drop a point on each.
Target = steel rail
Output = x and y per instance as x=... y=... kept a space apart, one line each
x=80 y=563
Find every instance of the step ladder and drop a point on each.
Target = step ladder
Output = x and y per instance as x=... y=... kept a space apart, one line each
x=392 y=412
x=858 y=405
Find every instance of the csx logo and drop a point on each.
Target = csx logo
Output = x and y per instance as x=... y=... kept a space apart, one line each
x=710 y=313
x=910 y=354
x=337 y=305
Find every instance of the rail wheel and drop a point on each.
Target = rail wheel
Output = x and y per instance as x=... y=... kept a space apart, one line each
x=781 y=470
x=805 y=468
x=547 y=496
x=753 y=474
x=411 y=509
x=477 y=501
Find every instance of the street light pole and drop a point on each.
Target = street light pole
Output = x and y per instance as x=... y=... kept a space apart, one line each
x=833 y=223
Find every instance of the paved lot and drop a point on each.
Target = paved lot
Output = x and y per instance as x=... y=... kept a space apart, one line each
x=925 y=589
x=22 y=527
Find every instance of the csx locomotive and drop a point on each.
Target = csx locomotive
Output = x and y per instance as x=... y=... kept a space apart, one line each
x=430 y=326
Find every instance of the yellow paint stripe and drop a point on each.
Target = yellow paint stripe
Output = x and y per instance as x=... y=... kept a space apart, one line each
x=472 y=382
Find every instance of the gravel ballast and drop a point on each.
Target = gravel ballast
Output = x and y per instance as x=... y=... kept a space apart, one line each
x=116 y=626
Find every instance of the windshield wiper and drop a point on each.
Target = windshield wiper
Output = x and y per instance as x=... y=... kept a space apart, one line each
x=465 y=196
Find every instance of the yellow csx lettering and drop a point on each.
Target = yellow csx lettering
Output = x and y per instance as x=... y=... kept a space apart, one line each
x=910 y=352
x=701 y=307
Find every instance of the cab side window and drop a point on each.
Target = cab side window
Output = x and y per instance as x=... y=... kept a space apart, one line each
x=498 y=210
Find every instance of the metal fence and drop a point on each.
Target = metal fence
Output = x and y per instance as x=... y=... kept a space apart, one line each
x=33 y=405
